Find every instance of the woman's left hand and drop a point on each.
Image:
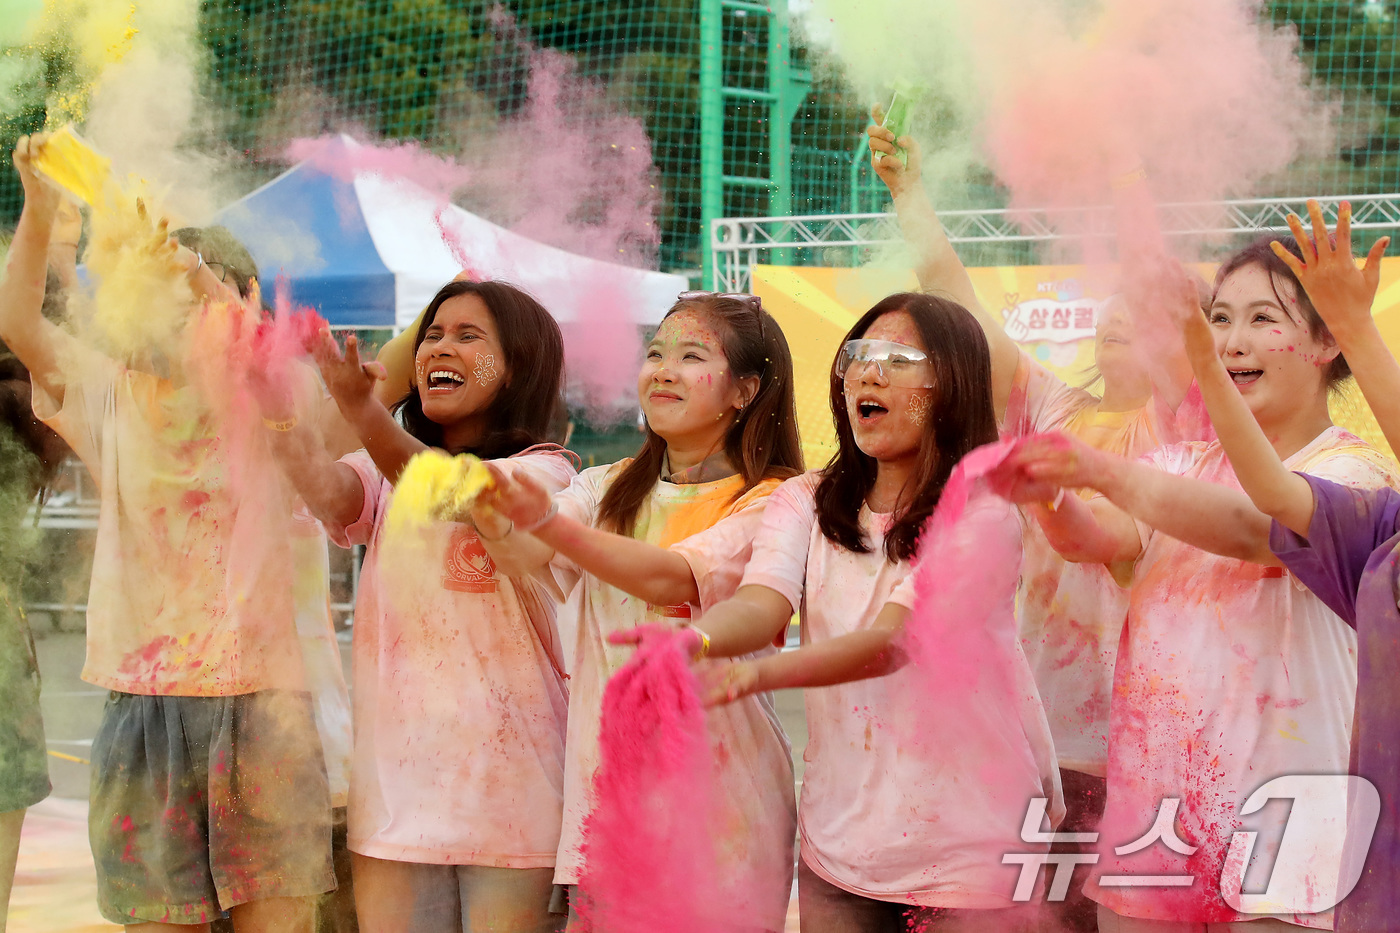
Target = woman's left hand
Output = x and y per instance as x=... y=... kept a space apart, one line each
x=1341 y=293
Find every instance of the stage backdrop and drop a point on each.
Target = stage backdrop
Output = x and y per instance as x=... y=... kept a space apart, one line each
x=1048 y=309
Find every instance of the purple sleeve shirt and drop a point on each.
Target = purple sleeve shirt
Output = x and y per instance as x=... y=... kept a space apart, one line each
x=1350 y=560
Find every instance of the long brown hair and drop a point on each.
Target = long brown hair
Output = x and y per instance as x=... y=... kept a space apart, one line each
x=520 y=414
x=962 y=418
x=762 y=442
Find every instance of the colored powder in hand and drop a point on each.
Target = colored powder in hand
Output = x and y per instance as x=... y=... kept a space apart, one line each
x=648 y=849
x=434 y=486
x=74 y=166
x=962 y=641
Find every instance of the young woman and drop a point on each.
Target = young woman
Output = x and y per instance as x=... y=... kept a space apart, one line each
x=460 y=702
x=891 y=831
x=1229 y=674
x=1339 y=541
x=1071 y=615
x=663 y=536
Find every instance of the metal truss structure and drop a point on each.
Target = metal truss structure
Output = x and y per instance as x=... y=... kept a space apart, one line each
x=738 y=244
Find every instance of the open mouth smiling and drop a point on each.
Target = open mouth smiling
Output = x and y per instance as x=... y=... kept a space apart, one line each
x=445 y=380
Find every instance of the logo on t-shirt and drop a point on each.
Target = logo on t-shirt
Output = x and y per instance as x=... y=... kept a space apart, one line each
x=468 y=568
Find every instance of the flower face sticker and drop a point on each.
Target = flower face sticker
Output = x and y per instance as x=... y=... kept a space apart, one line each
x=485 y=371
x=920 y=404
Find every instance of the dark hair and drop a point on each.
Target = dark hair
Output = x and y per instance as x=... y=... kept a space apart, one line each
x=40 y=452
x=521 y=413
x=1260 y=253
x=218 y=244
x=762 y=442
x=962 y=418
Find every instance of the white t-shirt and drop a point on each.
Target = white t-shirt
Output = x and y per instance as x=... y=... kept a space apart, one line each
x=460 y=700
x=191 y=591
x=713 y=530
x=1072 y=615
x=880 y=817
x=1230 y=674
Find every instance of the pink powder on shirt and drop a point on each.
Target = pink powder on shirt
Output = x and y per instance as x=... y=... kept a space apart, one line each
x=648 y=849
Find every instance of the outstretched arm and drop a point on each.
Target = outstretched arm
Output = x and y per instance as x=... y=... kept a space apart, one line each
x=658 y=575
x=1210 y=516
x=936 y=262
x=858 y=655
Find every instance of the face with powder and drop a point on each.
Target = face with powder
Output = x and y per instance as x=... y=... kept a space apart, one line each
x=686 y=387
x=1267 y=345
x=460 y=366
x=888 y=419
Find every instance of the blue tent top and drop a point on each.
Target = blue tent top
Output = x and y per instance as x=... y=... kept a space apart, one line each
x=307 y=227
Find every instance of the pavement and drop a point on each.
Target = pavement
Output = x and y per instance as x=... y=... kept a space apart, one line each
x=55 y=883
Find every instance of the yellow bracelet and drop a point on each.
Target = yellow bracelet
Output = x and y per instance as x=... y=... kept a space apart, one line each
x=281 y=425
x=704 y=642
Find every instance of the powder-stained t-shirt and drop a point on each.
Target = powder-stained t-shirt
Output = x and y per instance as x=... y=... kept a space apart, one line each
x=713 y=530
x=191 y=591
x=1351 y=560
x=880 y=817
x=1230 y=674
x=460 y=698
x=1071 y=615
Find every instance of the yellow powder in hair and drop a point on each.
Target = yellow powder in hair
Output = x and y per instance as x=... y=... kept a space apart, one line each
x=435 y=486
x=74 y=165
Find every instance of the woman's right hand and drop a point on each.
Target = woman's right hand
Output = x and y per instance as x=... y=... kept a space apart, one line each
x=517 y=495
x=897 y=176
x=723 y=680
x=349 y=380
x=40 y=195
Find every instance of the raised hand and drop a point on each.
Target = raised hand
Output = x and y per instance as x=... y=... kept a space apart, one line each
x=897 y=176
x=1341 y=293
x=40 y=196
x=349 y=380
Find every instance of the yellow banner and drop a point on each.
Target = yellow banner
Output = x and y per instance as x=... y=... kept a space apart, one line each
x=1047 y=309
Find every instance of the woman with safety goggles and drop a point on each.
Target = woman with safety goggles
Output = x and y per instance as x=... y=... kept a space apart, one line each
x=892 y=831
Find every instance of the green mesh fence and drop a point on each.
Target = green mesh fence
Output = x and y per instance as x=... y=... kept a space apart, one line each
x=425 y=69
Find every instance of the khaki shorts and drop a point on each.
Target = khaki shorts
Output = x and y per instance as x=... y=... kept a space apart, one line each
x=199 y=804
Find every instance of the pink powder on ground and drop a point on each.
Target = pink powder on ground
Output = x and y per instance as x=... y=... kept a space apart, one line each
x=648 y=849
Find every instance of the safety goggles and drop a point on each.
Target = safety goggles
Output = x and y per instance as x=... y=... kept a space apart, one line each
x=898 y=365
x=755 y=304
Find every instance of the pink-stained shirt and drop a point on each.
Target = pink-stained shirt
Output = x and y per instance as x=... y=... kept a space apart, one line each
x=460 y=697
x=755 y=825
x=923 y=824
x=191 y=591
x=1230 y=674
x=1071 y=615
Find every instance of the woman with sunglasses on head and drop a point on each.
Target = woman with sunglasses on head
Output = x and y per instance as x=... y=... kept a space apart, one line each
x=896 y=832
x=1071 y=615
x=659 y=538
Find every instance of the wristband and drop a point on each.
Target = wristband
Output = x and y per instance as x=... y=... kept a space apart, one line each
x=281 y=425
x=704 y=648
x=549 y=513
x=509 y=528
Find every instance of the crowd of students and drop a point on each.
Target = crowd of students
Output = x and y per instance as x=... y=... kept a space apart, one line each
x=1179 y=629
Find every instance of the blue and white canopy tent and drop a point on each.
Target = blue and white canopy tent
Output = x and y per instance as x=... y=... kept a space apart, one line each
x=371 y=251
